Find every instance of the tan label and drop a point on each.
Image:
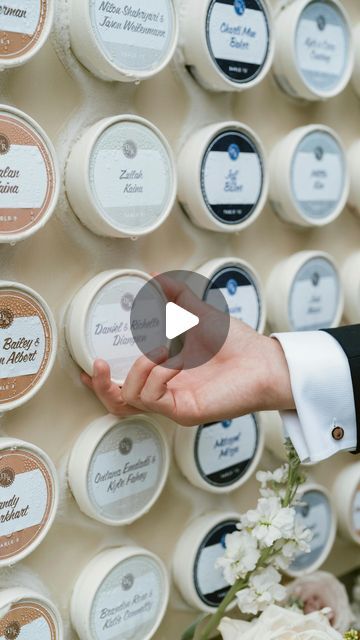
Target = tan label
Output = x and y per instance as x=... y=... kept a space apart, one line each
x=25 y=504
x=25 y=344
x=27 y=175
x=22 y=24
x=29 y=620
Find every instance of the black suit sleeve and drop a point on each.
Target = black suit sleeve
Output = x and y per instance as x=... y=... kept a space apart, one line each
x=349 y=340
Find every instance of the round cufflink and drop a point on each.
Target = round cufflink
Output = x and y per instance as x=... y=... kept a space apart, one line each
x=338 y=433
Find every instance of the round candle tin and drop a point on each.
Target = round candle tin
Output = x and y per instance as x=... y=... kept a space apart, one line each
x=29 y=615
x=25 y=27
x=203 y=586
x=351 y=284
x=315 y=512
x=118 y=468
x=223 y=178
x=309 y=181
x=347 y=502
x=241 y=288
x=314 y=49
x=121 y=177
x=29 y=176
x=28 y=499
x=125 y=42
x=354 y=195
x=121 y=593
x=304 y=293
x=98 y=323
x=221 y=456
x=28 y=344
x=228 y=45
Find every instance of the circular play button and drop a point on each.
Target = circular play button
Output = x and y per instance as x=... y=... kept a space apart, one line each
x=170 y=311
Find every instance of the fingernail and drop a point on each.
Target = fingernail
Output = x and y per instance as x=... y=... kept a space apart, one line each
x=158 y=354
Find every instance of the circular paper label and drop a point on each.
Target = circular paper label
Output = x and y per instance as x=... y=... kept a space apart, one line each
x=240 y=293
x=225 y=450
x=314 y=297
x=313 y=513
x=318 y=175
x=108 y=326
x=25 y=344
x=322 y=46
x=26 y=499
x=22 y=24
x=129 y=601
x=131 y=177
x=232 y=177
x=210 y=583
x=28 y=621
x=238 y=38
x=126 y=470
x=134 y=36
x=27 y=176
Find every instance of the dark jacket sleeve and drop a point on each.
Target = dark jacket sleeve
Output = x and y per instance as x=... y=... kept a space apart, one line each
x=349 y=339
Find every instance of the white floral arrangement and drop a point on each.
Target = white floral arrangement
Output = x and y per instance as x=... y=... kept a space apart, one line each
x=266 y=542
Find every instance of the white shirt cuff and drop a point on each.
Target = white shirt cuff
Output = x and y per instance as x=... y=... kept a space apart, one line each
x=323 y=394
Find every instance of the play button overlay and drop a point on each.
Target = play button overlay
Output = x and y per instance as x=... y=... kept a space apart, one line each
x=170 y=311
x=178 y=320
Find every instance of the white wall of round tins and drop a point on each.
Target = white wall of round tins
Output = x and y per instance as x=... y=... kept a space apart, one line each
x=293 y=264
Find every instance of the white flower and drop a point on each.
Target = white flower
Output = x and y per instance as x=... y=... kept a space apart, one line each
x=279 y=475
x=264 y=589
x=266 y=492
x=270 y=521
x=277 y=623
x=241 y=556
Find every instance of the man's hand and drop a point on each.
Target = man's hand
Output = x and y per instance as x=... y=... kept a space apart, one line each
x=248 y=374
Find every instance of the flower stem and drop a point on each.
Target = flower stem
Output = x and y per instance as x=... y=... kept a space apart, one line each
x=216 y=618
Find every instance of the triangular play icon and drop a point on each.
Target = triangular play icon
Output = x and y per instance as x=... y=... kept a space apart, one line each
x=178 y=320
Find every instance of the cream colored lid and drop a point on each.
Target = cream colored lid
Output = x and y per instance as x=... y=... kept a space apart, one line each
x=125 y=42
x=118 y=468
x=228 y=46
x=98 y=321
x=315 y=512
x=241 y=287
x=203 y=541
x=25 y=29
x=304 y=293
x=28 y=343
x=122 y=592
x=28 y=499
x=29 y=176
x=30 y=615
x=220 y=457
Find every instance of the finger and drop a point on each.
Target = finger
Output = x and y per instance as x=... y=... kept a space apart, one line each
x=180 y=293
x=86 y=380
x=101 y=379
x=155 y=389
x=139 y=373
x=106 y=390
